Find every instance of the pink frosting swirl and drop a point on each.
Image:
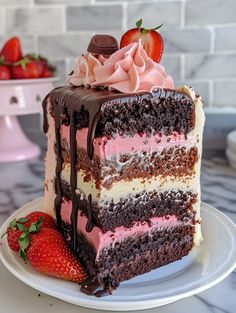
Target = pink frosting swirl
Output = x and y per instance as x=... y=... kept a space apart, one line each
x=129 y=70
x=83 y=74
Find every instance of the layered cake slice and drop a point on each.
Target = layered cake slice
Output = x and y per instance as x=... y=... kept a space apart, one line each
x=123 y=164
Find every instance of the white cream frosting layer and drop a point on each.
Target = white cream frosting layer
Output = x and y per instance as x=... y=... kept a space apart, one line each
x=123 y=188
x=198 y=133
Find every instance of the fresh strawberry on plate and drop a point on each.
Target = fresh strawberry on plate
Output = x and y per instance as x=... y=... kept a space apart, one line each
x=48 y=253
x=25 y=69
x=11 y=51
x=16 y=226
x=37 y=241
x=150 y=38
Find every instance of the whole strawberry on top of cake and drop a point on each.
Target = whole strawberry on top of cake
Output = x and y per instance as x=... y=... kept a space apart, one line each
x=123 y=160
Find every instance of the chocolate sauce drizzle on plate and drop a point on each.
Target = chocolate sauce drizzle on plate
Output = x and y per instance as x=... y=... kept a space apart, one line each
x=92 y=287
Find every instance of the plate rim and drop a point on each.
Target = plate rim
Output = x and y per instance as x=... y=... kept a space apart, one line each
x=116 y=305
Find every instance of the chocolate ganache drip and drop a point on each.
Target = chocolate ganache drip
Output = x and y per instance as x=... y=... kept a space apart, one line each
x=89 y=225
x=73 y=177
x=71 y=98
x=57 y=202
x=45 y=119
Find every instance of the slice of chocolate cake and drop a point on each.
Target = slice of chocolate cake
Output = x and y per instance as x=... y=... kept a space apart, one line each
x=122 y=169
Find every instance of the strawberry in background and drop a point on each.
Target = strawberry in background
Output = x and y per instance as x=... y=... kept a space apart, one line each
x=11 y=51
x=45 y=69
x=25 y=69
x=5 y=72
x=32 y=66
x=13 y=64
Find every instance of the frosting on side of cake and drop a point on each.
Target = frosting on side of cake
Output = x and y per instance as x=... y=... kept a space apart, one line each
x=198 y=132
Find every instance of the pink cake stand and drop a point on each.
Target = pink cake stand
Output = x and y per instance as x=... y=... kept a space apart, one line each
x=20 y=97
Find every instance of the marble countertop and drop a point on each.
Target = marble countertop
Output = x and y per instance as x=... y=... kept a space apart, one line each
x=23 y=181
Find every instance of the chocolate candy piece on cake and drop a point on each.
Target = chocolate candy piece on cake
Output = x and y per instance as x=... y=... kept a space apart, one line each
x=103 y=44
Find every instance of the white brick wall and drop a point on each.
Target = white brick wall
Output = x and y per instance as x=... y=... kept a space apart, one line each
x=199 y=35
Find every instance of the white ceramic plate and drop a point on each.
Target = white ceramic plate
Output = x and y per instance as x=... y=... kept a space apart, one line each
x=201 y=269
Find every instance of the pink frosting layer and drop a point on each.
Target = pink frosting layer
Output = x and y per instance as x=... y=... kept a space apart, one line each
x=131 y=70
x=104 y=147
x=101 y=240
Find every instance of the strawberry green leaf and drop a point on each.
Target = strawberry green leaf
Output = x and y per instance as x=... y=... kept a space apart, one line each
x=22 y=63
x=23 y=256
x=35 y=227
x=139 y=23
x=22 y=220
x=23 y=236
x=12 y=224
x=21 y=227
x=24 y=243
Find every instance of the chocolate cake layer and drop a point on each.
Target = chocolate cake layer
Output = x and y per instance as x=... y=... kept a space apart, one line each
x=175 y=161
x=163 y=110
x=139 y=207
x=145 y=115
x=135 y=255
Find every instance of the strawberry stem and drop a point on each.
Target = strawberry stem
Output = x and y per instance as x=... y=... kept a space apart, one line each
x=158 y=27
x=3 y=234
x=146 y=30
